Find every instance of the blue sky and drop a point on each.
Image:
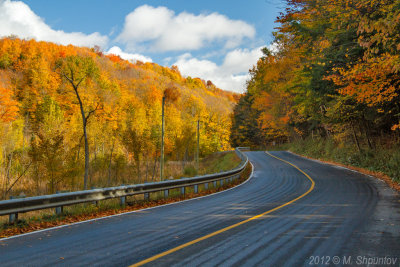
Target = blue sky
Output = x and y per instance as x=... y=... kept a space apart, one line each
x=213 y=40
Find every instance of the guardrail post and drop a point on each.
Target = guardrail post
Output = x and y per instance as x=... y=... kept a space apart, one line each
x=146 y=196
x=122 y=201
x=196 y=188
x=166 y=193
x=183 y=190
x=60 y=209
x=12 y=217
x=95 y=202
x=215 y=184
x=221 y=182
x=205 y=186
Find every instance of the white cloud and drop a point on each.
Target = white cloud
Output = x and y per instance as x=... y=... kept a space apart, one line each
x=131 y=57
x=16 y=18
x=191 y=66
x=241 y=60
x=160 y=29
x=231 y=75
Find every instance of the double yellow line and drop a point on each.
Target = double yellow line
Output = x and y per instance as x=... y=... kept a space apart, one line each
x=165 y=253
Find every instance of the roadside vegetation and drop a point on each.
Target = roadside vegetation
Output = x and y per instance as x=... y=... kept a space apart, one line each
x=213 y=163
x=383 y=162
x=42 y=219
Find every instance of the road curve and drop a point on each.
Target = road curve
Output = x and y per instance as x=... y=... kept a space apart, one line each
x=347 y=218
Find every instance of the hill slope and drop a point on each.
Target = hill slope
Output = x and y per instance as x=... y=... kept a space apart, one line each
x=41 y=122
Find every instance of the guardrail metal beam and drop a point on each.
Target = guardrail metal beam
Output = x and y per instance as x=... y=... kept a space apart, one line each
x=15 y=206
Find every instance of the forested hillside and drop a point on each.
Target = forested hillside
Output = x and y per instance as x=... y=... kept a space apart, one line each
x=333 y=79
x=51 y=95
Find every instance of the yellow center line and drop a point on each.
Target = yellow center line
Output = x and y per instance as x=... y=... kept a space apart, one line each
x=155 y=257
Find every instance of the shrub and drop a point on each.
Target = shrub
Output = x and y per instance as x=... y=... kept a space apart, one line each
x=190 y=171
x=385 y=160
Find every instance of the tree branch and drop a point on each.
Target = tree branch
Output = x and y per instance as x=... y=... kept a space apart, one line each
x=65 y=76
x=81 y=80
x=5 y=112
x=93 y=111
x=19 y=177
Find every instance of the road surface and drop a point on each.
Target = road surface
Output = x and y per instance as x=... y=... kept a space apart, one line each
x=346 y=218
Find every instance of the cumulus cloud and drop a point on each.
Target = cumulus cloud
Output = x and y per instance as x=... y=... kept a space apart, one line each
x=131 y=57
x=241 y=60
x=231 y=75
x=160 y=29
x=16 y=18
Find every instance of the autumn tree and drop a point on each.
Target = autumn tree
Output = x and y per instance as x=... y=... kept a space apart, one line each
x=8 y=105
x=48 y=150
x=78 y=70
x=335 y=73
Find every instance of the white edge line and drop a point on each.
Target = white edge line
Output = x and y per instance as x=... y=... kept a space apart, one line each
x=129 y=212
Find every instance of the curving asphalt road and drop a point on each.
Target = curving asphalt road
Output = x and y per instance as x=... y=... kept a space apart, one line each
x=347 y=219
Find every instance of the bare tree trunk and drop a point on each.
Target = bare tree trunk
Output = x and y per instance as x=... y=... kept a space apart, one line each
x=85 y=178
x=147 y=167
x=116 y=174
x=95 y=149
x=8 y=175
x=355 y=137
x=84 y=123
x=51 y=183
x=367 y=134
x=186 y=154
x=36 y=173
x=110 y=163
x=154 y=168
x=138 y=169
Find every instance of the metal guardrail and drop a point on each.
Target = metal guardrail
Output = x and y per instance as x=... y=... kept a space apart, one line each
x=15 y=206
